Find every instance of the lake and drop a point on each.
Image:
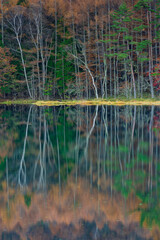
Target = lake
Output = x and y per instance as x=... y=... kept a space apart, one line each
x=79 y=173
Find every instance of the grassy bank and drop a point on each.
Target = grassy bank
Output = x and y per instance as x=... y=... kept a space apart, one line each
x=19 y=101
x=116 y=102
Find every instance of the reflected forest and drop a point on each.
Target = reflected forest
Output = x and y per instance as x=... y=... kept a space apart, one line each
x=79 y=172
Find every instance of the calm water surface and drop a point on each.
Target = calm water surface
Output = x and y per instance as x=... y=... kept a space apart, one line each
x=79 y=173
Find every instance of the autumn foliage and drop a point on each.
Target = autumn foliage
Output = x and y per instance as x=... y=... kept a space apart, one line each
x=156 y=77
x=82 y=48
x=7 y=71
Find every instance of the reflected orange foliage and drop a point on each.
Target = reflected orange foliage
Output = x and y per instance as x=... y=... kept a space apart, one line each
x=68 y=205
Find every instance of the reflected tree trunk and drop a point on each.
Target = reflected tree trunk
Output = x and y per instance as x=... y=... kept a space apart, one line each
x=22 y=169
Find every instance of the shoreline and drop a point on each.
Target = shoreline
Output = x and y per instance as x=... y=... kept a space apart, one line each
x=83 y=102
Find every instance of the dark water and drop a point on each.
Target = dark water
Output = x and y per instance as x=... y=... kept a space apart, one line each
x=79 y=173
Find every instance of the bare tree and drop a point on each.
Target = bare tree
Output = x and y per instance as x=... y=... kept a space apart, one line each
x=84 y=62
x=42 y=41
x=15 y=21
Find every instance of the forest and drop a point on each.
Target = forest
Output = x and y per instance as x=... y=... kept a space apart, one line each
x=79 y=49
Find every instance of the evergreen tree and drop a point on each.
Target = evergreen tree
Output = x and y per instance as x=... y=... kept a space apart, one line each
x=128 y=48
x=63 y=69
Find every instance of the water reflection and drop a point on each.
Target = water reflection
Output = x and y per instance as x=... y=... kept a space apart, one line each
x=79 y=172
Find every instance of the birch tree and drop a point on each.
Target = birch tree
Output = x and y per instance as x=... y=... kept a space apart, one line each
x=15 y=21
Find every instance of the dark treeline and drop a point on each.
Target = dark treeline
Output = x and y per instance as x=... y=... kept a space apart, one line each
x=60 y=49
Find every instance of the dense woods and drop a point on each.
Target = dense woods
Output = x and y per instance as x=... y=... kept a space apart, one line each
x=60 y=49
